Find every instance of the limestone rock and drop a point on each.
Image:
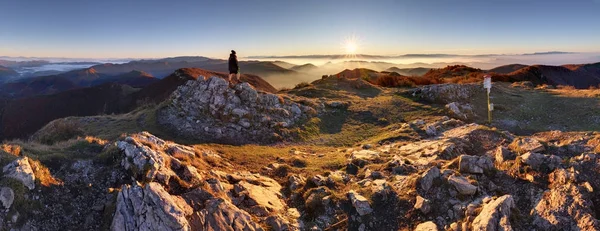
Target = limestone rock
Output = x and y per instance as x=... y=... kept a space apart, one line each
x=150 y=208
x=296 y=181
x=462 y=185
x=7 y=196
x=360 y=203
x=566 y=206
x=502 y=154
x=364 y=155
x=143 y=155
x=222 y=215
x=427 y=178
x=539 y=161
x=21 y=170
x=495 y=215
x=423 y=204
x=461 y=111
x=474 y=164
x=427 y=226
x=260 y=200
x=528 y=144
x=210 y=110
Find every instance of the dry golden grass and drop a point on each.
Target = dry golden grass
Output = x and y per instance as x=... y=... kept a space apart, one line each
x=42 y=174
x=11 y=149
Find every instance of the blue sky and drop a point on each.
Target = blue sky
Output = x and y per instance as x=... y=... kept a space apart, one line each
x=152 y=29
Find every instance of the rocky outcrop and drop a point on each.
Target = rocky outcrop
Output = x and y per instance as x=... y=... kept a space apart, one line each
x=566 y=205
x=21 y=170
x=144 y=155
x=446 y=93
x=150 y=208
x=178 y=196
x=210 y=110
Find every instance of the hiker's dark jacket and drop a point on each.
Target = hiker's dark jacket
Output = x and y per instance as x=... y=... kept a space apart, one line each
x=233 y=64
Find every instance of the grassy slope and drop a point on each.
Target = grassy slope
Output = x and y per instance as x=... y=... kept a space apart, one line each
x=526 y=111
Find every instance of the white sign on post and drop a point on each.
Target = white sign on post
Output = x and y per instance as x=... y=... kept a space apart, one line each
x=487 y=82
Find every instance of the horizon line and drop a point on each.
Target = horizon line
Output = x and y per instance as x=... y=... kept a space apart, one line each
x=313 y=56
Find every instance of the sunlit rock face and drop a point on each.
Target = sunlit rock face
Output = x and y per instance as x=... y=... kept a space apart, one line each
x=212 y=110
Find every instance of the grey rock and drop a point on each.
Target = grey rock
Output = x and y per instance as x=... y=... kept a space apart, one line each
x=364 y=155
x=20 y=170
x=360 y=203
x=220 y=214
x=427 y=178
x=502 y=154
x=527 y=144
x=150 y=208
x=427 y=226
x=462 y=185
x=423 y=204
x=495 y=215
x=228 y=115
x=474 y=164
x=7 y=196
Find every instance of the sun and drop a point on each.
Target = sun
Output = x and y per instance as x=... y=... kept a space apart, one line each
x=350 y=45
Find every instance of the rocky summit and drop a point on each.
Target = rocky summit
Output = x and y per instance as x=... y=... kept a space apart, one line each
x=210 y=110
x=215 y=156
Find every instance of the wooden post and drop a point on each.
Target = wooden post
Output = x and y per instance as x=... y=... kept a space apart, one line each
x=487 y=84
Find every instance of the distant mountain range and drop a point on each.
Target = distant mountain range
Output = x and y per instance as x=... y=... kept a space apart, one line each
x=367 y=56
x=579 y=76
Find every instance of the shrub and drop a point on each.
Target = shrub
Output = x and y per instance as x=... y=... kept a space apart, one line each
x=58 y=130
x=302 y=85
x=299 y=163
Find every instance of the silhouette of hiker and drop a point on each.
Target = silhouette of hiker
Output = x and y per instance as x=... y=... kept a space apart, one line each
x=233 y=67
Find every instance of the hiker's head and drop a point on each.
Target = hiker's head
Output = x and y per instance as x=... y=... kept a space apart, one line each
x=232 y=52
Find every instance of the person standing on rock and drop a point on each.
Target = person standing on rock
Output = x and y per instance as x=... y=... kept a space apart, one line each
x=233 y=67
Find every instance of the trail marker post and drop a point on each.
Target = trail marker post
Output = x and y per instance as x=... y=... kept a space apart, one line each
x=487 y=84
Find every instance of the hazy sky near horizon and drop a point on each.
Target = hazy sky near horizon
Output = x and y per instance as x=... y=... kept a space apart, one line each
x=154 y=29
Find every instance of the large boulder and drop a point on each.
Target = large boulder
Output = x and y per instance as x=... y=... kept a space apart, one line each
x=212 y=111
x=150 y=208
x=20 y=170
